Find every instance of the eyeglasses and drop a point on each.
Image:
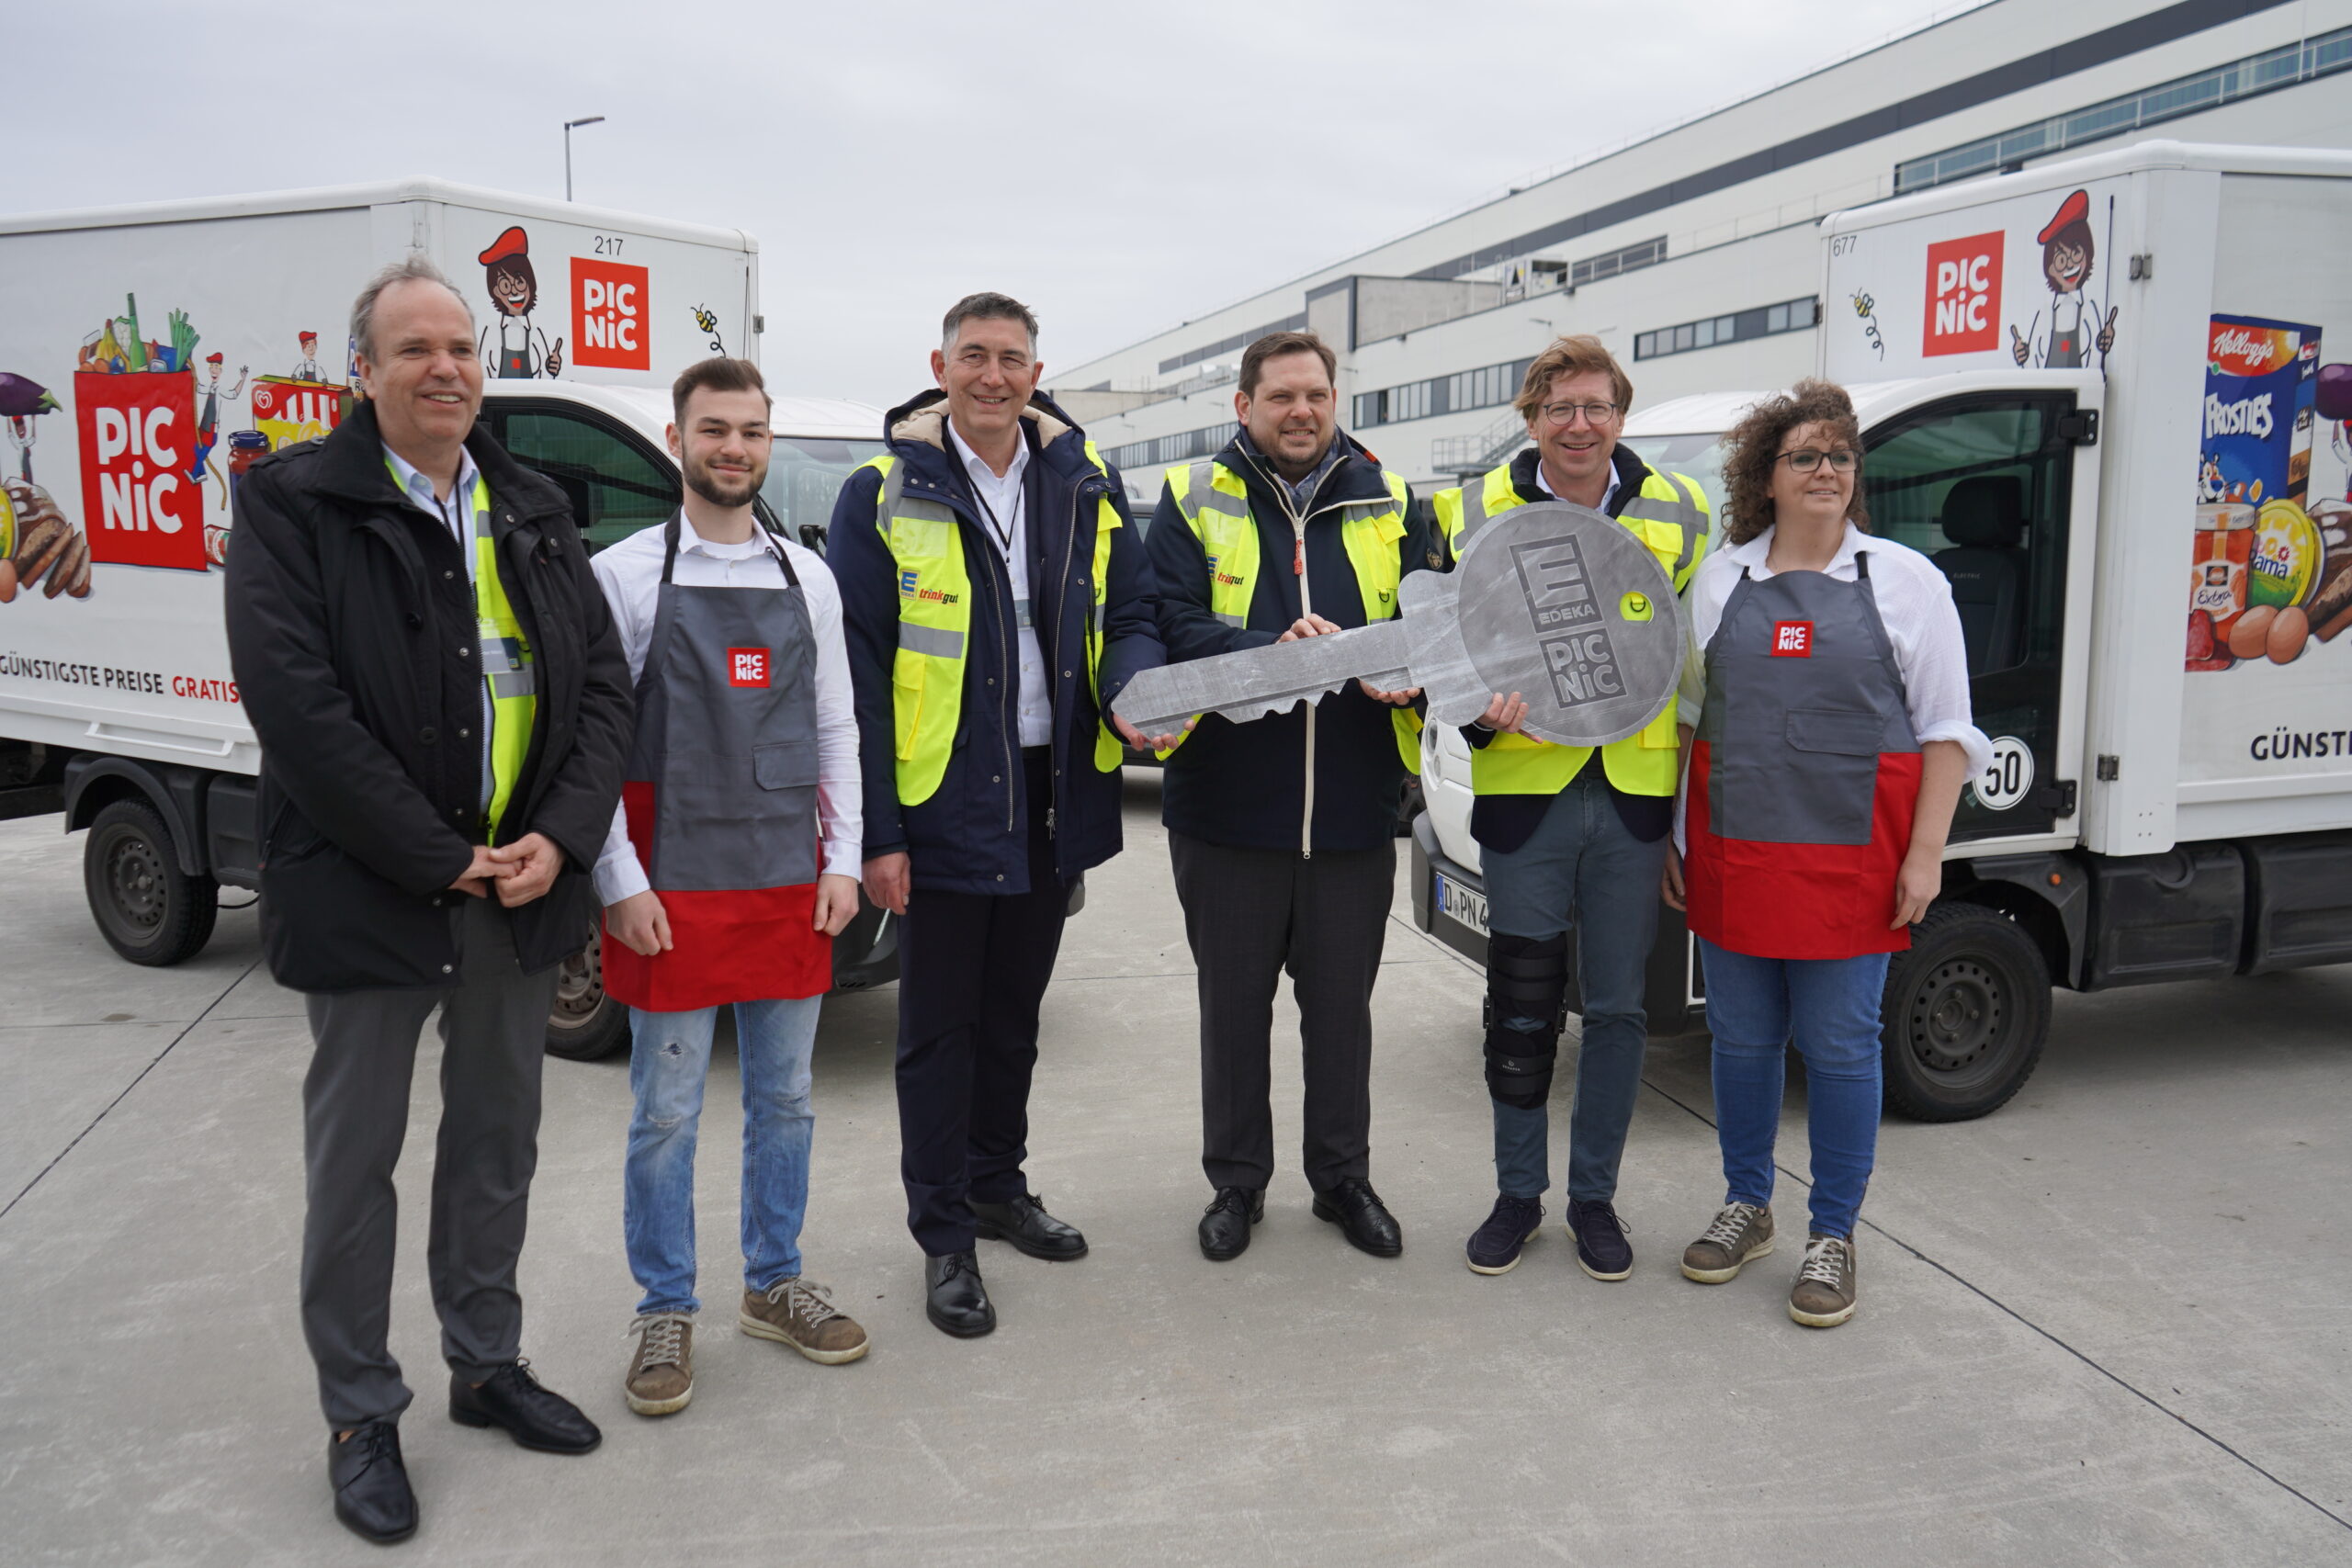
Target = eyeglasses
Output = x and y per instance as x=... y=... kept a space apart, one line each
x=1565 y=413
x=1804 y=460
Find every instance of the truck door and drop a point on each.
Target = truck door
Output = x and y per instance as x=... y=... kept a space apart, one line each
x=1986 y=485
x=617 y=483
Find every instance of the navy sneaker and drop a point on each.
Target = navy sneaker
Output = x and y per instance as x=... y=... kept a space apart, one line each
x=1494 y=1246
x=1602 y=1250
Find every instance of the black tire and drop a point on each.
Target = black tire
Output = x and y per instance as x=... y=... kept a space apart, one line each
x=585 y=1024
x=149 y=910
x=1965 y=1014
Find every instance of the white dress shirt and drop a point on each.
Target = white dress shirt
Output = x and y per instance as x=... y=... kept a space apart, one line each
x=1002 y=498
x=1608 y=493
x=1915 y=603
x=456 y=513
x=630 y=575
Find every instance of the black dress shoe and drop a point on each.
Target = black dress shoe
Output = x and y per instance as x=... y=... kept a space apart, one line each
x=371 y=1492
x=1225 y=1224
x=536 y=1417
x=954 y=1298
x=1025 y=1222
x=1357 y=1210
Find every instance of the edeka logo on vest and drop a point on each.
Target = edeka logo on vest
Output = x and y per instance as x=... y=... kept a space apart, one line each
x=138 y=436
x=747 y=666
x=611 y=309
x=1964 y=304
x=1793 y=639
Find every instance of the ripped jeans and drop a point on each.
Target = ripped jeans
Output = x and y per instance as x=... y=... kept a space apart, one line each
x=669 y=1058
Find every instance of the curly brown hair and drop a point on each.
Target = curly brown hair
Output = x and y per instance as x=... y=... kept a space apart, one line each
x=1752 y=449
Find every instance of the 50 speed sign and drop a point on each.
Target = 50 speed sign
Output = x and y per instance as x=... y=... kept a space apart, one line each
x=2007 y=777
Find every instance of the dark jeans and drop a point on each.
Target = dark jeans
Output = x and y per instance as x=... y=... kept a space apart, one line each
x=972 y=971
x=1828 y=1008
x=1249 y=915
x=354 y=1118
x=1581 y=870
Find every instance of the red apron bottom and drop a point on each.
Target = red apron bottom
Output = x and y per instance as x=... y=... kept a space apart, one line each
x=727 y=947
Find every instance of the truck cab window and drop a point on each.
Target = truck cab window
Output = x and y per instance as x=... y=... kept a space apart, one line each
x=615 y=486
x=805 y=476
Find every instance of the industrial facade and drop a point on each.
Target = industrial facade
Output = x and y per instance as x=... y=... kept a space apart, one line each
x=1702 y=272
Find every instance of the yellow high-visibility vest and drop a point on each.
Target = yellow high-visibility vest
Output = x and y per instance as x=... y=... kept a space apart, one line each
x=1671 y=516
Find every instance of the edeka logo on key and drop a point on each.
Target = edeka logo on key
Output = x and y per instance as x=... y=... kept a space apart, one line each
x=1793 y=639
x=1963 y=306
x=747 y=666
x=611 y=305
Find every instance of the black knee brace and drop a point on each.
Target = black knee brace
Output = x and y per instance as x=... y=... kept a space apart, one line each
x=1526 y=977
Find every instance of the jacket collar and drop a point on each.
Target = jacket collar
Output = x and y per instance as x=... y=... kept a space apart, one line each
x=351 y=465
x=1355 y=477
x=1632 y=474
x=917 y=431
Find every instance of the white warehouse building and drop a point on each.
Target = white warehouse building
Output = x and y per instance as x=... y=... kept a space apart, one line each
x=1700 y=267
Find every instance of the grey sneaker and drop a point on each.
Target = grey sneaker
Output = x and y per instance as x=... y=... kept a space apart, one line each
x=1824 y=1294
x=796 y=1313
x=661 y=1374
x=1740 y=1234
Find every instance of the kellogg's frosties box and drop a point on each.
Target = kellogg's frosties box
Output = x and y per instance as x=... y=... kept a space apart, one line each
x=2260 y=380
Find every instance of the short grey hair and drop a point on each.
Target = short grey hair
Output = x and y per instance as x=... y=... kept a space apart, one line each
x=414 y=267
x=986 y=307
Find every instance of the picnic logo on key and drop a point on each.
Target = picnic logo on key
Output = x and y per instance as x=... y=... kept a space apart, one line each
x=1793 y=639
x=1574 y=636
x=747 y=666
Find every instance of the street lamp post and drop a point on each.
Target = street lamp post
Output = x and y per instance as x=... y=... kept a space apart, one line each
x=592 y=119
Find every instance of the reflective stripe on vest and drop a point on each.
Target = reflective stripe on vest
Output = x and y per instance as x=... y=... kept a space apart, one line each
x=1214 y=500
x=1109 y=749
x=934 y=629
x=1460 y=512
x=1670 y=514
x=507 y=665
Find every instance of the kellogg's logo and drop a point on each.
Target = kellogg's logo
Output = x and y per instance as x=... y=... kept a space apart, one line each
x=1963 y=301
x=2236 y=350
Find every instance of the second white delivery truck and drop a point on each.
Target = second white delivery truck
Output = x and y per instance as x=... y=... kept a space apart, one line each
x=2099 y=395
x=149 y=355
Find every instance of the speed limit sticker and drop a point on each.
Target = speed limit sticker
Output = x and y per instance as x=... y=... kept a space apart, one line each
x=2007 y=777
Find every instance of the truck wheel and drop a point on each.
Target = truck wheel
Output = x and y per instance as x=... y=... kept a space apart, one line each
x=1965 y=1014
x=149 y=910
x=586 y=1023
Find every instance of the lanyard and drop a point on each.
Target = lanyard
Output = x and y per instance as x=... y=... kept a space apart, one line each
x=1003 y=534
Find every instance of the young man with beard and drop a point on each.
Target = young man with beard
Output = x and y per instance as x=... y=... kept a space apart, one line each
x=1282 y=831
x=996 y=601
x=730 y=868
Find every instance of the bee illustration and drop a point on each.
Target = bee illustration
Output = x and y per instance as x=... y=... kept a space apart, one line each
x=1866 y=308
x=709 y=321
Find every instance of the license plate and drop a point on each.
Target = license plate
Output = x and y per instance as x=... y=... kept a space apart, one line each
x=1462 y=905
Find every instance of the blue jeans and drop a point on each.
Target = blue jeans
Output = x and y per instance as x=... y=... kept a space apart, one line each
x=1828 y=1008
x=668 y=1057
x=1582 y=870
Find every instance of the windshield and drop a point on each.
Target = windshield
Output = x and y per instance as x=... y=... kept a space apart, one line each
x=1698 y=457
x=805 y=473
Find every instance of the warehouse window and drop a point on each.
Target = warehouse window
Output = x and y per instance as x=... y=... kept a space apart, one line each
x=1465 y=390
x=1765 y=321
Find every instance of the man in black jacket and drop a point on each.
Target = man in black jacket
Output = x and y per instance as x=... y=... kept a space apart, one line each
x=444 y=712
x=1283 y=830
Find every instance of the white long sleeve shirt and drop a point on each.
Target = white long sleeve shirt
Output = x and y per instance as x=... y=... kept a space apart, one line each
x=1914 y=599
x=630 y=575
x=1008 y=503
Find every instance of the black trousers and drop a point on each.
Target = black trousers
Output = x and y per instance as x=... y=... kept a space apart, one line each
x=972 y=970
x=1249 y=916
x=354 y=1118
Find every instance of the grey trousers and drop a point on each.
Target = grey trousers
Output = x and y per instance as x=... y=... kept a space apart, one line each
x=1249 y=915
x=354 y=1118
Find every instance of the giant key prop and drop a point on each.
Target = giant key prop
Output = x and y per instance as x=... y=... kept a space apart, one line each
x=1558 y=603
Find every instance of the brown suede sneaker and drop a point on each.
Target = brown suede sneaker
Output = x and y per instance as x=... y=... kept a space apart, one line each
x=1824 y=1294
x=1739 y=1234
x=795 y=1313
x=661 y=1374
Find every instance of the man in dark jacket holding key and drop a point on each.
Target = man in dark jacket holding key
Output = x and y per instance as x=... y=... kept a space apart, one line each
x=444 y=711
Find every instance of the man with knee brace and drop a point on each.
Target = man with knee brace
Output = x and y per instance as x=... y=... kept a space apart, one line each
x=1571 y=839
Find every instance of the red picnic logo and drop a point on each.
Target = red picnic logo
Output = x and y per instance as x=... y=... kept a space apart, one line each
x=1964 y=308
x=1793 y=639
x=747 y=666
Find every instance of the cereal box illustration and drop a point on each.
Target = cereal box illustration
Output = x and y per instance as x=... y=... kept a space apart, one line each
x=2258 y=555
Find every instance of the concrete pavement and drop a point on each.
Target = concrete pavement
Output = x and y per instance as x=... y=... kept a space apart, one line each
x=2106 y=1325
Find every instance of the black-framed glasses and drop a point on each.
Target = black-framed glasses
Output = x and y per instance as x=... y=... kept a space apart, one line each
x=1565 y=413
x=1804 y=460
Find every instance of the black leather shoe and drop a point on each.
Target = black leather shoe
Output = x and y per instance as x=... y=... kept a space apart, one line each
x=954 y=1298
x=534 y=1416
x=371 y=1490
x=1225 y=1224
x=1025 y=1222
x=1357 y=1210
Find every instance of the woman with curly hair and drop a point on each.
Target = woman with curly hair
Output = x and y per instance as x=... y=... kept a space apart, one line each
x=1832 y=737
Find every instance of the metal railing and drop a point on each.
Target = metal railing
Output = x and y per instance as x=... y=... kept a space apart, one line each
x=1464 y=456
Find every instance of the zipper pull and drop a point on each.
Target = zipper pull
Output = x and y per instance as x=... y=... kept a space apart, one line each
x=1298 y=556
x=1050 y=821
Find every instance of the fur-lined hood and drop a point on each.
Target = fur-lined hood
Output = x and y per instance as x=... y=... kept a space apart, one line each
x=923 y=419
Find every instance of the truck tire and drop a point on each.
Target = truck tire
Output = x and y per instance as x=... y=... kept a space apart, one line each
x=585 y=1024
x=149 y=910
x=1964 y=1016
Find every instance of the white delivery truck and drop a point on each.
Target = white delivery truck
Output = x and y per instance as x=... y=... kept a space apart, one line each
x=2098 y=395
x=149 y=355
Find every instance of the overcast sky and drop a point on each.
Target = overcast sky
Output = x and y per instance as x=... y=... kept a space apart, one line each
x=1121 y=168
